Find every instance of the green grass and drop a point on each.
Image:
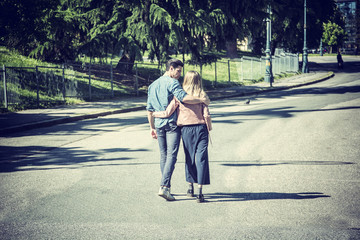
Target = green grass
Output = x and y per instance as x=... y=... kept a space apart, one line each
x=285 y=75
x=23 y=94
x=14 y=59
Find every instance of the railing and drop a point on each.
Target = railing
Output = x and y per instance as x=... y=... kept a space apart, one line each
x=43 y=86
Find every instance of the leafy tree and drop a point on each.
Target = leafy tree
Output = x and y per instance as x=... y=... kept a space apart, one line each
x=241 y=20
x=166 y=27
x=59 y=30
x=62 y=36
x=91 y=27
x=286 y=19
x=357 y=40
x=22 y=22
x=333 y=34
x=149 y=27
x=197 y=23
x=288 y=24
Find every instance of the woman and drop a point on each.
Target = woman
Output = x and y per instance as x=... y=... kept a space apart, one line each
x=195 y=122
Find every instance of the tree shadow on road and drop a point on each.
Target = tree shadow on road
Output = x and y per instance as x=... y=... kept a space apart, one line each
x=230 y=197
x=280 y=112
x=46 y=158
x=350 y=66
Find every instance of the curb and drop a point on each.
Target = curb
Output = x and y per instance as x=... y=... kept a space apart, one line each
x=272 y=89
x=53 y=122
x=49 y=123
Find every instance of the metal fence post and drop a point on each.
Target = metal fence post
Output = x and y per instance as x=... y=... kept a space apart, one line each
x=215 y=74
x=136 y=81
x=289 y=62
x=252 y=76
x=89 y=81
x=297 y=62
x=242 y=69
x=283 y=63
x=37 y=87
x=63 y=80
x=5 y=85
x=260 y=67
x=229 y=70
x=111 y=79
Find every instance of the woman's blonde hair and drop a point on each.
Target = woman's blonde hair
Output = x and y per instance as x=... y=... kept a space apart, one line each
x=193 y=84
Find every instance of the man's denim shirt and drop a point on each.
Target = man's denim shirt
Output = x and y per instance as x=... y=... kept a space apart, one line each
x=160 y=94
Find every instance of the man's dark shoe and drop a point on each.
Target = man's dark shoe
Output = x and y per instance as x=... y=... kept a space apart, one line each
x=190 y=193
x=200 y=198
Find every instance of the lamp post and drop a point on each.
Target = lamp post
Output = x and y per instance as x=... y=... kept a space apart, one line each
x=268 y=70
x=305 y=68
x=321 y=48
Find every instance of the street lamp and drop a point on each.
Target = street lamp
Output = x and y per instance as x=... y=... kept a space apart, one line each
x=268 y=70
x=305 y=67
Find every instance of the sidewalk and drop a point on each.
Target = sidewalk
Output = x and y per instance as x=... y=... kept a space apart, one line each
x=36 y=118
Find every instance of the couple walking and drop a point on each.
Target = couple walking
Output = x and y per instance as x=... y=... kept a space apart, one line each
x=175 y=112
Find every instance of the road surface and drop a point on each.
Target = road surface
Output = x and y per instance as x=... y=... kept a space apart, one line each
x=285 y=166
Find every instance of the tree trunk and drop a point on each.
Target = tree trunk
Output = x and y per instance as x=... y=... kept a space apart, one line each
x=125 y=64
x=231 y=48
x=273 y=47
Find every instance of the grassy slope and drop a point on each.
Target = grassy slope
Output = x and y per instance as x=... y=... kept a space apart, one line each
x=123 y=84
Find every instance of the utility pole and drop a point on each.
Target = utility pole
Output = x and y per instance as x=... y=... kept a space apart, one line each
x=305 y=67
x=268 y=69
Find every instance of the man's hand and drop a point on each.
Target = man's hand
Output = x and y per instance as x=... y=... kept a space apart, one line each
x=153 y=134
x=152 y=125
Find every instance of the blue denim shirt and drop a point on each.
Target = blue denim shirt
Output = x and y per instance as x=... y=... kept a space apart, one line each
x=160 y=94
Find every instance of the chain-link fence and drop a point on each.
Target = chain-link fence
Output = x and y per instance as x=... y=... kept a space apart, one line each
x=286 y=62
x=245 y=70
x=43 y=86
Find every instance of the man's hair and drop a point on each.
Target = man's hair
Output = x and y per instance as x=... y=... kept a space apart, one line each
x=175 y=63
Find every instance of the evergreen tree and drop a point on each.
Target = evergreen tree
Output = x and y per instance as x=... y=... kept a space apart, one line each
x=165 y=27
x=357 y=39
x=59 y=30
x=22 y=22
x=243 y=19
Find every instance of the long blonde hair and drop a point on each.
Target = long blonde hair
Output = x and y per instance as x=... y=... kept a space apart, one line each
x=193 y=84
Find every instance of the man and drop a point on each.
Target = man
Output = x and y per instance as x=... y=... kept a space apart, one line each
x=340 y=60
x=165 y=130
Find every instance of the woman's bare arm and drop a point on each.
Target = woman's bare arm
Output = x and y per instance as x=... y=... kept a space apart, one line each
x=169 y=110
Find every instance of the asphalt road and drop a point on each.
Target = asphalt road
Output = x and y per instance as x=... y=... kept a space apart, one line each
x=285 y=166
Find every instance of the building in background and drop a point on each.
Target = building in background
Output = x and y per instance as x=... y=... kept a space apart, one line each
x=350 y=11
